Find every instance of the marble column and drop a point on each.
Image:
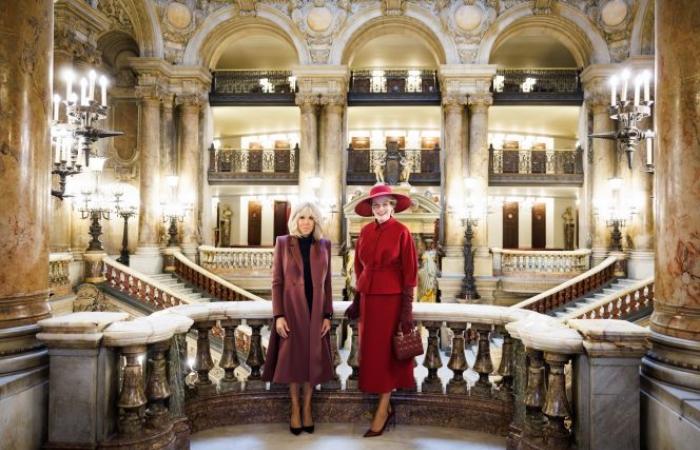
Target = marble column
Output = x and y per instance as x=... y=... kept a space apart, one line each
x=147 y=255
x=454 y=117
x=602 y=169
x=675 y=322
x=332 y=165
x=25 y=162
x=168 y=153
x=479 y=170
x=308 y=147
x=189 y=171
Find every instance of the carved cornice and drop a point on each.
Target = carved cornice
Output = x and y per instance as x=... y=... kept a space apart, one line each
x=179 y=80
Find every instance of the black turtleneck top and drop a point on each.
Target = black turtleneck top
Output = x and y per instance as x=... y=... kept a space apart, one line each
x=305 y=247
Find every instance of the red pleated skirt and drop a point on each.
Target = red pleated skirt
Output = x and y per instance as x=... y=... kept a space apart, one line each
x=380 y=371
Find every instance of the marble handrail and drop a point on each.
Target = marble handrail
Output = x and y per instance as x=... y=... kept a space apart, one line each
x=160 y=337
x=59 y=274
x=507 y=261
x=573 y=288
x=224 y=259
x=141 y=286
x=619 y=305
x=222 y=289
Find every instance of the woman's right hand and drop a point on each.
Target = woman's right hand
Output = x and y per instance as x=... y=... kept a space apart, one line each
x=282 y=327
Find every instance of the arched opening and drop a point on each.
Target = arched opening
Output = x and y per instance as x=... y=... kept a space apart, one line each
x=258 y=50
x=530 y=48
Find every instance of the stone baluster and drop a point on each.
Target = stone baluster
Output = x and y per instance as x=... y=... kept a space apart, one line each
x=158 y=387
x=229 y=358
x=432 y=383
x=520 y=378
x=458 y=360
x=177 y=373
x=354 y=359
x=334 y=384
x=556 y=406
x=506 y=368
x=132 y=397
x=534 y=397
x=203 y=362
x=483 y=365
x=255 y=357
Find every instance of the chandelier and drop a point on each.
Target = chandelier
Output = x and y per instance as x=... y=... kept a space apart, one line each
x=629 y=114
x=73 y=135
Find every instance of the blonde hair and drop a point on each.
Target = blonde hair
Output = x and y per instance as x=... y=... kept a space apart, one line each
x=306 y=209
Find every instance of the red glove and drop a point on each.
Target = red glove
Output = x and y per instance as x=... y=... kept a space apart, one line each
x=406 y=314
x=353 y=311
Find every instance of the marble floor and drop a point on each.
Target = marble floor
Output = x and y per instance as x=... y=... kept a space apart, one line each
x=343 y=437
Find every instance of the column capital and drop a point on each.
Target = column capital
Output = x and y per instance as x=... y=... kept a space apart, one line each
x=307 y=102
x=188 y=100
x=480 y=102
x=332 y=101
x=454 y=103
x=460 y=79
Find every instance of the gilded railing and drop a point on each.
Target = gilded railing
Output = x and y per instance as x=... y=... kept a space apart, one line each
x=592 y=280
x=528 y=262
x=270 y=161
x=227 y=260
x=415 y=165
x=59 y=273
x=208 y=282
x=630 y=304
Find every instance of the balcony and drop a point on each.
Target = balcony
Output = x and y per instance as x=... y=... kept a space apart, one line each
x=395 y=86
x=508 y=167
x=259 y=166
x=252 y=88
x=421 y=167
x=537 y=87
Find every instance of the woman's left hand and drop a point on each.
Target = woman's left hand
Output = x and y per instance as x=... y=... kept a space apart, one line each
x=325 y=327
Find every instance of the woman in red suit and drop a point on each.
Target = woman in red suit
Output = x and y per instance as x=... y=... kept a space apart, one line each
x=299 y=351
x=385 y=266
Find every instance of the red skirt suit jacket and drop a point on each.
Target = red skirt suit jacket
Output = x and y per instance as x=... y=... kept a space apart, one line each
x=304 y=356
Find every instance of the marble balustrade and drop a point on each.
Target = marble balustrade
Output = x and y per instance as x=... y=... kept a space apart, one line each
x=526 y=262
x=59 y=273
x=578 y=286
x=226 y=260
x=143 y=410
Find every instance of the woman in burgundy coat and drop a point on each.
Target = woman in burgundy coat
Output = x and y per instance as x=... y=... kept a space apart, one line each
x=386 y=267
x=299 y=351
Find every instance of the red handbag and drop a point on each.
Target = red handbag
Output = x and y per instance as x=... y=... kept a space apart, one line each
x=407 y=346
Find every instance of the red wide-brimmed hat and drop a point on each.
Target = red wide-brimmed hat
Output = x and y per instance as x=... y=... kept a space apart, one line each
x=364 y=208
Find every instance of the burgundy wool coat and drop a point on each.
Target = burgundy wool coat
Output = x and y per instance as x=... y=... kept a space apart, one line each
x=304 y=356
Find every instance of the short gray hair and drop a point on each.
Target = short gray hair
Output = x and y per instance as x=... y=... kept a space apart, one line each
x=308 y=209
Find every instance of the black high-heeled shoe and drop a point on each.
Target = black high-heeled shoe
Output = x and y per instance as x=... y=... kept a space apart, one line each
x=388 y=423
x=309 y=429
x=296 y=431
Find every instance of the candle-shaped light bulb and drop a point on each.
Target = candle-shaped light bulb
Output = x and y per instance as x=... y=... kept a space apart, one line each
x=56 y=106
x=650 y=151
x=637 y=87
x=56 y=144
x=83 y=91
x=69 y=77
x=647 y=79
x=103 y=90
x=613 y=90
x=91 y=92
x=625 y=79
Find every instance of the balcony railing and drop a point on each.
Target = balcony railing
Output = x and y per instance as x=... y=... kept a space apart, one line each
x=544 y=262
x=537 y=86
x=252 y=87
x=518 y=167
x=364 y=166
x=404 y=86
x=154 y=395
x=253 y=166
x=633 y=303
x=222 y=260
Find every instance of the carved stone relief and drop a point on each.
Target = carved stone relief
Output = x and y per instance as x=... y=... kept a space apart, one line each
x=115 y=10
x=319 y=21
x=466 y=22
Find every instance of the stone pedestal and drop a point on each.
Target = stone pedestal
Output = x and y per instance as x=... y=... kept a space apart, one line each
x=169 y=259
x=640 y=264
x=83 y=382
x=147 y=260
x=606 y=391
x=94 y=267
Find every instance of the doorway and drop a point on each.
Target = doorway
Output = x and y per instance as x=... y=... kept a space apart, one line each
x=510 y=225
x=281 y=212
x=254 y=222
x=539 y=226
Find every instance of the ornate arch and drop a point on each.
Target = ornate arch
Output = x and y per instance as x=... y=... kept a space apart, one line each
x=226 y=23
x=370 y=23
x=642 y=38
x=146 y=27
x=573 y=29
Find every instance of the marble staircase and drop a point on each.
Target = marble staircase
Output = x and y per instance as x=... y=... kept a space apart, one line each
x=617 y=286
x=177 y=285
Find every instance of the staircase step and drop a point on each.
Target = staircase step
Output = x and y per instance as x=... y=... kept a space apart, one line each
x=163 y=276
